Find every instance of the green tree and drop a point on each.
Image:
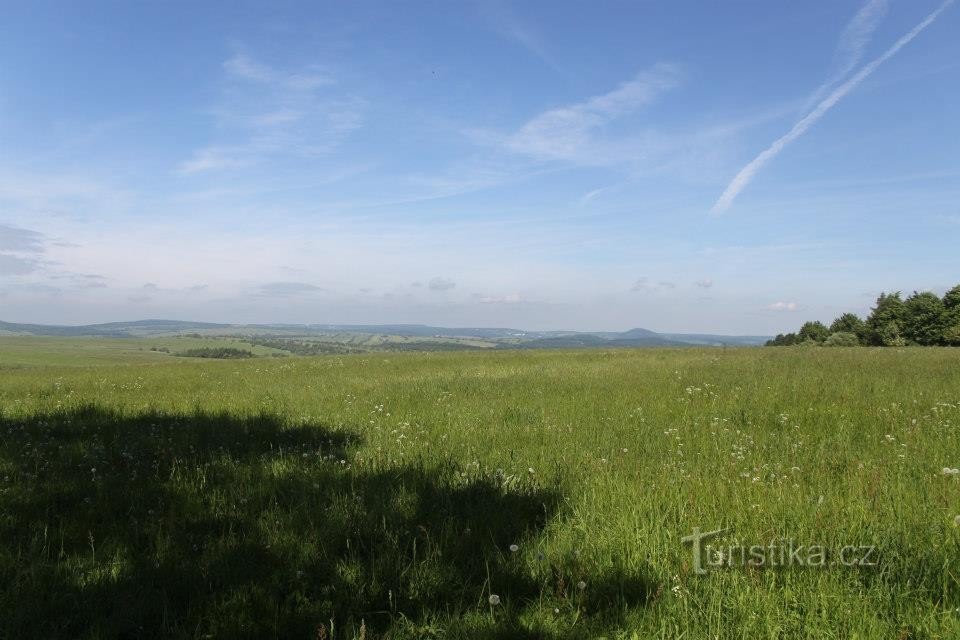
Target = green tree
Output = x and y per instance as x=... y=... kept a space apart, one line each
x=783 y=340
x=815 y=331
x=842 y=339
x=850 y=323
x=951 y=305
x=885 y=323
x=925 y=319
x=951 y=299
x=951 y=335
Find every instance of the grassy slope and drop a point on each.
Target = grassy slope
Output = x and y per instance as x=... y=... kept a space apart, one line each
x=265 y=497
x=24 y=351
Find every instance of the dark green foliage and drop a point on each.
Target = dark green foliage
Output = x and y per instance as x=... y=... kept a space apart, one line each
x=922 y=319
x=951 y=321
x=850 y=323
x=225 y=353
x=784 y=340
x=951 y=335
x=302 y=347
x=815 y=331
x=951 y=299
x=842 y=339
x=885 y=323
x=925 y=319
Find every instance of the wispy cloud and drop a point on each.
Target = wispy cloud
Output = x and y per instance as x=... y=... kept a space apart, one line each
x=563 y=132
x=268 y=112
x=506 y=22
x=644 y=285
x=11 y=265
x=747 y=173
x=510 y=298
x=21 y=240
x=441 y=284
x=287 y=289
x=590 y=195
x=852 y=44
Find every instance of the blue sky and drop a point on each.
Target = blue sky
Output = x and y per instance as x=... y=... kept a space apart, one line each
x=731 y=167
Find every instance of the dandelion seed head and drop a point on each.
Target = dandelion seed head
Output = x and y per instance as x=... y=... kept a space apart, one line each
x=494 y=599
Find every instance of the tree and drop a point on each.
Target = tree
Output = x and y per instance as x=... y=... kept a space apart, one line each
x=782 y=340
x=925 y=318
x=951 y=324
x=951 y=335
x=885 y=323
x=850 y=323
x=842 y=339
x=815 y=331
x=951 y=299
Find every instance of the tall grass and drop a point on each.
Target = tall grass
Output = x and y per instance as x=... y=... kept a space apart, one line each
x=395 y=495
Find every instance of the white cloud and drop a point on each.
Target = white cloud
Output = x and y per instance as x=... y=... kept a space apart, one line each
x=747 y=173
x=783 y=306
x=564 y=132
x=852 y=44
x=706 y=283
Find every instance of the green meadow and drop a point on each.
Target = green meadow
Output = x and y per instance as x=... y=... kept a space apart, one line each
x=475 y=494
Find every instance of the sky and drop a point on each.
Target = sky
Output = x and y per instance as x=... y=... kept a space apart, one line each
x=730 y=167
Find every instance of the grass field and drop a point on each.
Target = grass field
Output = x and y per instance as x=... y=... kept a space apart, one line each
x=527 y=494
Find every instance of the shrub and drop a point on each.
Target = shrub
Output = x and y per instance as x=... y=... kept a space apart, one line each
x=842 y=339
x=216 y=352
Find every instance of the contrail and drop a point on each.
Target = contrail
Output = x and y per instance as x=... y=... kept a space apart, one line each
x=746 y=174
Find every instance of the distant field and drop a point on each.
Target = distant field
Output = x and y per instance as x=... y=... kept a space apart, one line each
x=23 y=351
x=378 y=495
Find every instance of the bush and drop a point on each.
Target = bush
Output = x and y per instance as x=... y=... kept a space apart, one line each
x=842 y=339
x=225 y=353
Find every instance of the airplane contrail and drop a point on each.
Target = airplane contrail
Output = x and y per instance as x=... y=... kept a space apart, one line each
x=743 y=178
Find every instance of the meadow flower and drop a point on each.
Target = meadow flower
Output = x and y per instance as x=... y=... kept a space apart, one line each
x=494 y=599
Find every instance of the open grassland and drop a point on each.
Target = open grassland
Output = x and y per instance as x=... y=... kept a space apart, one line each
x=379 y=495
x=29 y=351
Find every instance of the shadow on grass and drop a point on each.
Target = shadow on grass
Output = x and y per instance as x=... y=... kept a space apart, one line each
x=201 y=525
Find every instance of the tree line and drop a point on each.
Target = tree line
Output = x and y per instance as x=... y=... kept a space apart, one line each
x=923 y=318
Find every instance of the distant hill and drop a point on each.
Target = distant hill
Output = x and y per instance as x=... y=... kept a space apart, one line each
x=111 y=329
x=496 y=336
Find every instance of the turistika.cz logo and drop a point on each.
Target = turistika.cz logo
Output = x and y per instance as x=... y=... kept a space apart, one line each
x=709 y=555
